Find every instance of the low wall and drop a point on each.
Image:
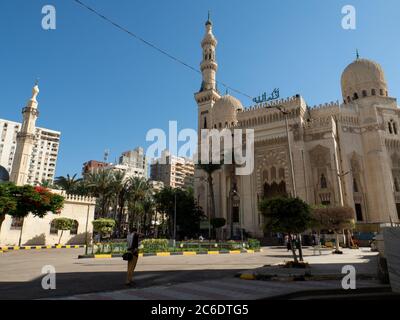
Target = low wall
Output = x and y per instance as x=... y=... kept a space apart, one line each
x=36 y=231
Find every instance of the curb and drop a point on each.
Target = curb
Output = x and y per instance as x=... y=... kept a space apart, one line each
x=16 y=248
x=167 y=254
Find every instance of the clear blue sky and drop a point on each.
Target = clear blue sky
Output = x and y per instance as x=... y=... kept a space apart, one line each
x=102 y=89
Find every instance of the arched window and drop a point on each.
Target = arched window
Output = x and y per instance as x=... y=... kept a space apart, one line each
x=74 y=229
x=381 y=92
x=265 y=175
x=323 y=182
x=273 y=173
x=205 y=123
x=348 y=99
x=390 y=127
x=282 y=174
x=364 y=93
x=355 y=96
x=394 y=127
x=373 y=92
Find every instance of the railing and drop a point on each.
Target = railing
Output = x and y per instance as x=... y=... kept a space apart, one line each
x=181 y=246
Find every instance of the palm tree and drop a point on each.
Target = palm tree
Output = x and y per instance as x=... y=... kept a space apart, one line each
x=139 y=188
x=67 y=183
x=209 y=169
x=100 y=184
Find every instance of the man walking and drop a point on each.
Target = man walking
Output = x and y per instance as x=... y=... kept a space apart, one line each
x=133 y=247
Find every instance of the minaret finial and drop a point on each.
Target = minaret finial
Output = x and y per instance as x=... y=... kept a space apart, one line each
x=209 y=18
x=357 y=54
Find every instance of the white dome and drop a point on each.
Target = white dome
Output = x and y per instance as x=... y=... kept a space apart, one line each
x=225 y=110
x=363 y=78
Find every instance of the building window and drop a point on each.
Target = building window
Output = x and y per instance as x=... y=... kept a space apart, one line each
x=53 y=229
x=324 y=184
x=390 y=127
x=16 y=223
x=359 y=213
x=74 y=229
x=235 y=215
x=398 y=210
x=381 y=92
x=355 y=96
x=373 y=92
x=396 y=185
x=355 y=185
x=364 y=93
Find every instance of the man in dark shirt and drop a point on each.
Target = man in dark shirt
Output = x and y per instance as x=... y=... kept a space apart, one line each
x=133 y=247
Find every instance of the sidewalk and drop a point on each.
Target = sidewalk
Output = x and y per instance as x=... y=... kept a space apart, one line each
x=232 y=288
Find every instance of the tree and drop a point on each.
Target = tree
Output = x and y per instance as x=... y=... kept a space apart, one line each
x=104 y=226
x=100 y=185
x=63 y=224
x=287 y=215
x=139 y=189
x=188 y=213
x=19 y=201
x=335 y=219
x=209 y=169
x=67 y=183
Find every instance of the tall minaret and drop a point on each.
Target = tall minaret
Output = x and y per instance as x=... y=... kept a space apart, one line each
x=208 y=93
x=25 y=140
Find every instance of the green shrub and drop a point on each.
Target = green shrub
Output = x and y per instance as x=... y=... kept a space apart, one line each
x=155 y=245
x=253 y=243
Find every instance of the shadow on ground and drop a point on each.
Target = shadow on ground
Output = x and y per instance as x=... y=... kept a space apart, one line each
x=90 y=282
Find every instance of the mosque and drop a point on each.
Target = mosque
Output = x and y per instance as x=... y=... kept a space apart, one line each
x=343 y=153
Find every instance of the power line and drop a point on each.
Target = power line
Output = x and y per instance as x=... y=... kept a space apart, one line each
x=153 y=46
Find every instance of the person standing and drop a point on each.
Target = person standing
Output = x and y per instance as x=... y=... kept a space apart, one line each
x=133 y=247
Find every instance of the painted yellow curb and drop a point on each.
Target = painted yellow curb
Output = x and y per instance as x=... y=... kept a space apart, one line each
x=48 y=247
x=189 y=253
x=234 y=252
x=213 y=252
x=163 y=254
x=38 y=248
x=247 y=276
x=102 y=256
x=27 y=248
x=16 y=248
x=250 y=251
x=76 y=247
x=67 y=247
x=59 y=247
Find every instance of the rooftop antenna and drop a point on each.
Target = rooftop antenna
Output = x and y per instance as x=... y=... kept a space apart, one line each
x=106 y=154
x=357 y=54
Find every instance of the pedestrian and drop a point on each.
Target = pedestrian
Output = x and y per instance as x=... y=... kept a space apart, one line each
x=133 y=247
x=288 y=243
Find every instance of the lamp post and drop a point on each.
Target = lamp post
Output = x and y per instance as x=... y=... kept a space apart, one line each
x=175 y=220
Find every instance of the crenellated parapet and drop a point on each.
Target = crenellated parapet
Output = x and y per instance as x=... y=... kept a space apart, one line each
x=75 y=198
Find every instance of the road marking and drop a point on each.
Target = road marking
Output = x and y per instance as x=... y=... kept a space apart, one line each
x=163 y=254
x=213 y=252
x=102 y=256
x=234 y=252
x=189 y=253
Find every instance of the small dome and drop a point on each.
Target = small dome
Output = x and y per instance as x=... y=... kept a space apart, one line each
x=363 y=78
x=225 y=110
x=4 y=176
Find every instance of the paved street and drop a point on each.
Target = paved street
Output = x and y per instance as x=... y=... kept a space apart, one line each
x=20 y=275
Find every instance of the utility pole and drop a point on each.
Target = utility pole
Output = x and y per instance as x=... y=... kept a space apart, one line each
x=175 y=220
